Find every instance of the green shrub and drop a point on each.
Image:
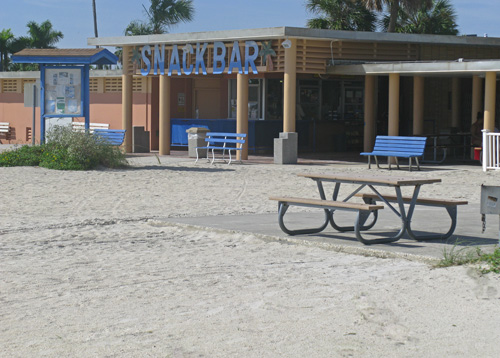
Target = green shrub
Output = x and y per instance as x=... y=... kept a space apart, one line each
x=492 y=261
x=22 y=156
x=66 y=149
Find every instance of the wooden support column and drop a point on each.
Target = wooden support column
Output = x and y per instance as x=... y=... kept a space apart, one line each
x=393 y=125
x=477 y=105
x=164 y=115
x=489 y=100
x=418 y=105
x=455 y=102
x=369 y=131
x=127 y=99
x=289 y=89
x=242 y=112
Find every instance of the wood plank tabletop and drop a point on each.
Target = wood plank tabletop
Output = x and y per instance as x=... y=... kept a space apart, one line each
x=369 y=179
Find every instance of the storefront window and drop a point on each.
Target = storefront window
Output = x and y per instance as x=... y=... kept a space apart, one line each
x=254 y=99
x=308 y=106
x=274 y=99
x=342 y=100
x=331 y=108
x=353 y=101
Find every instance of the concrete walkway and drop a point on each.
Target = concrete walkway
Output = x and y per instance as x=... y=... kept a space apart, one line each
x=433 y=220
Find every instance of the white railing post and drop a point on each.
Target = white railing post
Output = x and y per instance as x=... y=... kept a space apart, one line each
x=485 y=151
x=491 y=150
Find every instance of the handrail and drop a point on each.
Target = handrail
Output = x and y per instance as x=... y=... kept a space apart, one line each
x=491 y=150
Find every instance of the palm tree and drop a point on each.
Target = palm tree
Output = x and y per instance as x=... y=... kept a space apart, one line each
x=137 y=28
x=340 y=15
x=42 y=35
x=393 y=8
x=440 y=19
x=6 y=38
x=161 y=16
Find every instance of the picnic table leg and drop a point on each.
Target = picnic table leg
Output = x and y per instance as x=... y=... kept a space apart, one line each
x=332 y=212
x=282 y=209
x=452 y=212
x=359 y=226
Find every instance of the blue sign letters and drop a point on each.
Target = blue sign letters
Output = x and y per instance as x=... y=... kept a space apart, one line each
x=218 y=63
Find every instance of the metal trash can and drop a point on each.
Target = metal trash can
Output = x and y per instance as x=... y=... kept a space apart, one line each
x=490 y=203
x=196 y=138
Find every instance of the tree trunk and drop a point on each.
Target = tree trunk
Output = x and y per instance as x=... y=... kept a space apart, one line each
x=394 y=10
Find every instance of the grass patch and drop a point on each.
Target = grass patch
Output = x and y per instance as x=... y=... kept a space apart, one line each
x=491 y=262
x=459 y=255
x=469 y=255
x=66 y=149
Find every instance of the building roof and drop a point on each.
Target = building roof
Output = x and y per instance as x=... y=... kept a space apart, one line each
x=427 y=68
x=292 y=32
x=98 y=56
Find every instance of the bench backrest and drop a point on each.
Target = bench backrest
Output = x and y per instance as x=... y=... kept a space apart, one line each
x=111 y=136
x=4 y=127
x=413 y=145
x=92 y=126
x=228 y=140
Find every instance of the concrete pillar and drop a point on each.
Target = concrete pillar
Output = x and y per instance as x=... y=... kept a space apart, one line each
x=242 y=112
x=289 y=89
x=369 y=131
x=127 y=99
x=477 y=106
x=489 y=100
x=164 y=129
x=418 y=105
x=455 y=102
x=393 y=104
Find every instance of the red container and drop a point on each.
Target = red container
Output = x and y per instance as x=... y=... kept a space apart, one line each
x=477 y=153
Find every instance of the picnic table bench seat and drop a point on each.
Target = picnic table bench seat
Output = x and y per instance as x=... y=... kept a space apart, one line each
x=397 y=147
x=364 y=210
x=449 y=204
x=224 y=142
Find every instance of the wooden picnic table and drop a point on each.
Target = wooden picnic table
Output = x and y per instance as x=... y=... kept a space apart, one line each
x=373 y=182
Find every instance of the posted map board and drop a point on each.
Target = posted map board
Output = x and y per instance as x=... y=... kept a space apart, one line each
x=63 y=91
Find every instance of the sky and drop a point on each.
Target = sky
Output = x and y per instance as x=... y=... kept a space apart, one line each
x=75 y=20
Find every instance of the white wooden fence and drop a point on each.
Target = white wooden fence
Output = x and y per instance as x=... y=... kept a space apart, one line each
x=491 y=150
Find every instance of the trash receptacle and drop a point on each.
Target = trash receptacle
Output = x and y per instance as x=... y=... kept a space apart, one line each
x=196 y=138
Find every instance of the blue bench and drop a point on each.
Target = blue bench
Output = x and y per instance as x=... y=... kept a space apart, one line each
x=110 y=136
x=224 y=142
x=397 y=147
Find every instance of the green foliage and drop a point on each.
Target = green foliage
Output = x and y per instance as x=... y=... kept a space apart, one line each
x=66 y=150
x=23 y=156
x=492 y=262
x=468 y=255
x=438 y=19
x=43 y=35
x=161 y=16
x=340 y=15
x=459 y=256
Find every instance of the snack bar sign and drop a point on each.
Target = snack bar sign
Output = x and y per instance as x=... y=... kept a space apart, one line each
x=178 y=62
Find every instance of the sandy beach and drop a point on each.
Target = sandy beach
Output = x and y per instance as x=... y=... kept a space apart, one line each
x=90 y=268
